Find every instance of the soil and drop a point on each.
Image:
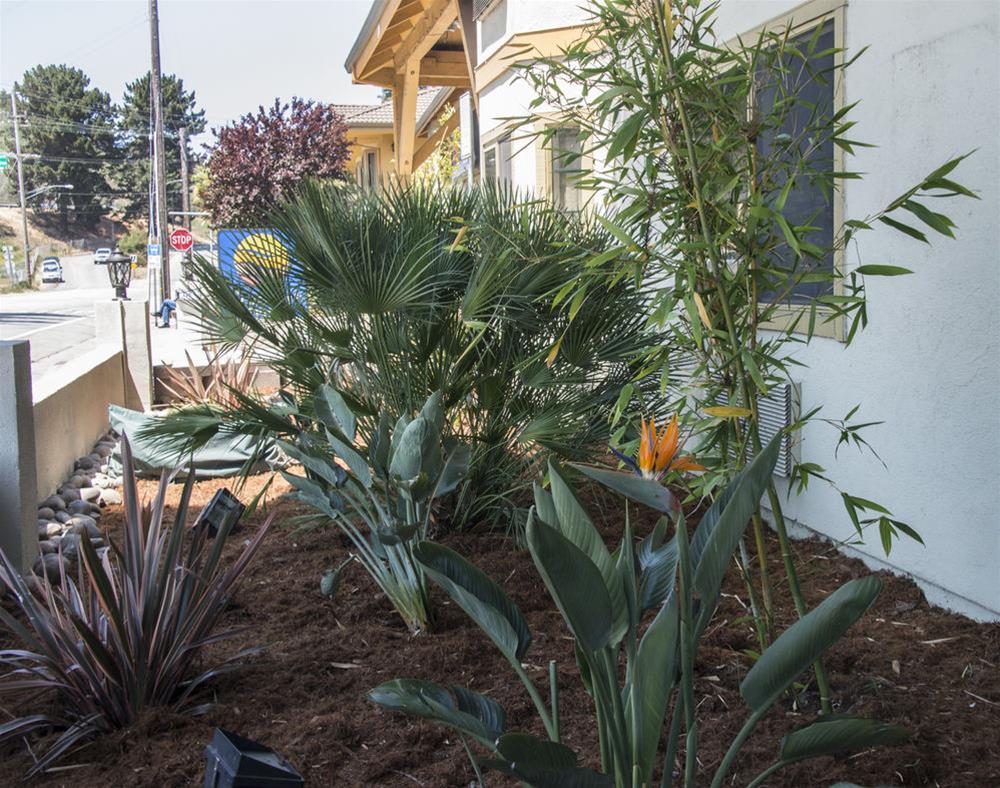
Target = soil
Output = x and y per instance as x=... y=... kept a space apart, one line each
x=934 y=672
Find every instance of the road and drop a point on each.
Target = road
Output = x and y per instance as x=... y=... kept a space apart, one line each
x=58 y=319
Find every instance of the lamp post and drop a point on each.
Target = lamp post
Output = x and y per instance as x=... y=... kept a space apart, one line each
x=120 y=273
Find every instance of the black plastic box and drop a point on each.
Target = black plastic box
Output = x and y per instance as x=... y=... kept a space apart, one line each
x=236 y=762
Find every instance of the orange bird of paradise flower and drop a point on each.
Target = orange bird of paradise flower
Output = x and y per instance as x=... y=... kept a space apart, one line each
x=659 y=452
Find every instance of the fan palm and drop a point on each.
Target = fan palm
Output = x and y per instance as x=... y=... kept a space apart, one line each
x=391 y=296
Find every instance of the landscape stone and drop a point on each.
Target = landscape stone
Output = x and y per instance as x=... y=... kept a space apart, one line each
x=110 y=497
x=55 y=503
x=78 y=481
x=104 y=450
x=79 y=507
x=47 y=546
x=48 y=565
x=85 y=525
x=84 y=463
x=63 y=517
x=46 y=513
x=90 y=493
x=69 y=494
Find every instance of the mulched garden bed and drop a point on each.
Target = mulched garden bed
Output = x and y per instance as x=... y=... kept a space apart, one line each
x=936 y=673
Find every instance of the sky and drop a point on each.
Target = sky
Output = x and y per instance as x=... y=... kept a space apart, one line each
x=235 y=54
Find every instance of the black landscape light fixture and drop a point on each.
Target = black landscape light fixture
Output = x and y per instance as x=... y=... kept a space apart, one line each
x=120 y=273
x=236 y=762
x=222 y=511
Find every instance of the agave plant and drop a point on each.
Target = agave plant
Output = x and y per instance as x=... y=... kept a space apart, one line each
x=224 y=376
x=604 y=598
x=380 y=498
x=128 y=632
x=391 y=296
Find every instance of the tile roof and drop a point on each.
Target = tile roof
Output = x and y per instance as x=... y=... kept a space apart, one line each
x=379 y=115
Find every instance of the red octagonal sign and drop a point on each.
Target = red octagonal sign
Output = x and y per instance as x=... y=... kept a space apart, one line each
x=181 y=240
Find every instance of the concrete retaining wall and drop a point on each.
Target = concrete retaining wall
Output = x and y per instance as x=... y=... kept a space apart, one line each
x=69 y=418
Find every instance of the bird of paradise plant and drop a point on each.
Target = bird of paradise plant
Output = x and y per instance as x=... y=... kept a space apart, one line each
x=660 y=452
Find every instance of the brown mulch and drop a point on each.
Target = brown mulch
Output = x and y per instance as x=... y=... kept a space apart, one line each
x=935 y=672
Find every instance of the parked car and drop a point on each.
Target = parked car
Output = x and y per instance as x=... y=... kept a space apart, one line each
x=101 y=255
x=52 y=270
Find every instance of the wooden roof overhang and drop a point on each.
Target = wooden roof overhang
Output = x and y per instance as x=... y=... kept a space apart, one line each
x=408 y=44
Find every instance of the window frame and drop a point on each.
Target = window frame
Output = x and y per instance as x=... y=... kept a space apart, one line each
x=494 y=143
x=803 y=19
x=544 y=160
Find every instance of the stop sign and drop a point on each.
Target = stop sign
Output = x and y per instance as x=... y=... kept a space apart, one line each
x=181 y=240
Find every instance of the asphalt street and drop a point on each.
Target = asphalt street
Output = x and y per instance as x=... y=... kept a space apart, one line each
x=58 y=318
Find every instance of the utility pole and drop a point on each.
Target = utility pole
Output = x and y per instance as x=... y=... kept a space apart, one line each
x=159 y=148
x=185 y=186
x=20 y=182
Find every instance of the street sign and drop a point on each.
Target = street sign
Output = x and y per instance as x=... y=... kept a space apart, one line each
x=152 y=250
x=4 y=161
x=181 y=240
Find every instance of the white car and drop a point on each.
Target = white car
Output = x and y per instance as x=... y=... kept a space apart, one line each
x=101 y=255
x=52 y=270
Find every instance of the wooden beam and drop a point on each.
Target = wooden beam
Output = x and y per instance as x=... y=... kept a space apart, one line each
x=445 y=82
x=404 y=117
x=432 y=67
x=432 y=25
x=470 y=43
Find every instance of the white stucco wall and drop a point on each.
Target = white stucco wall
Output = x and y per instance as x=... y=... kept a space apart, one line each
x=929 y=363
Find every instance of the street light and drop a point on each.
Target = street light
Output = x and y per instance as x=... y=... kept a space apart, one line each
x=120 y=273
x=66 y=186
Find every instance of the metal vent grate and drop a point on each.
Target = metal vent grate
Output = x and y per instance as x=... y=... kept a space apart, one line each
x=777 y=410
x=482 y=7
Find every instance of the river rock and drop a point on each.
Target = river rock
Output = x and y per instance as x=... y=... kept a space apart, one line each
x=69 y=494
x=82 y=524
x=103 y=449
x=82 y=507
x=46 y=513
x=47 y=546
x=48 y=566
x=55 y=503
x=78 y=481
x=63 y=517
x=84 y=463
x=50 y=529
x=90 y=493
x=110 y=497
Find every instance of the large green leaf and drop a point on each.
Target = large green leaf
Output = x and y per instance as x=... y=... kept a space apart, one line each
x=543 y=764
x=575 y=584
x=482 y=599
x=468 y=711
x=645 y=491
x=835 y=734
x=653 y=677
x=806 y=640
x=545 y=509
x=575 y=524
x=332 y=409
x=723 y=536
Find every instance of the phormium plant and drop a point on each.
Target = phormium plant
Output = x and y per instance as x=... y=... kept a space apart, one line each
x=128 y=633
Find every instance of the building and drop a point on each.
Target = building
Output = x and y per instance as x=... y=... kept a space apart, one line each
x=370 y=133
x=928 y=365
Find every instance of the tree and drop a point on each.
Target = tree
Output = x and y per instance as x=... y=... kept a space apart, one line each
x=262 y=157
x=179 y=110
x=67 y=136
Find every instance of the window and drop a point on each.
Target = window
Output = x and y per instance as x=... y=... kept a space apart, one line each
x=809 y=201
x=492 y=25
x=567 y=168
x=490 y=164
x=371 y=162
x=497 y=161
